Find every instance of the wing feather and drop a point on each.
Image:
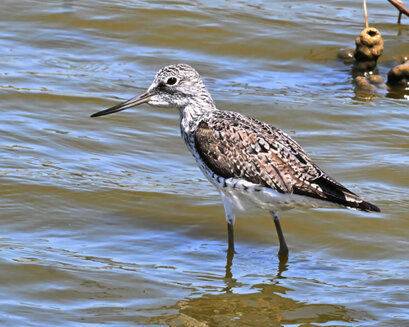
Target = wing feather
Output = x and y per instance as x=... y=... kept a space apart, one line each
x=233 y=145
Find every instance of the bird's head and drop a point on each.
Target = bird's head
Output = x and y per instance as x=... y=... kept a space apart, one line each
x=174 y=86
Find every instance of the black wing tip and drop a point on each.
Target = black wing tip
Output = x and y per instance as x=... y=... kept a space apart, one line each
x=368 y=207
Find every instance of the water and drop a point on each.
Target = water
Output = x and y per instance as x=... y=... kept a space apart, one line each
x=109 y=222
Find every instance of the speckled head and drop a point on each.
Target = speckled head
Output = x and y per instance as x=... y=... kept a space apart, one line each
x=174 y=86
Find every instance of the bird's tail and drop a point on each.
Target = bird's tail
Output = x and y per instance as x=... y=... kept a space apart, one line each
x=354 y=202
x=340 y=194
x=327 y=189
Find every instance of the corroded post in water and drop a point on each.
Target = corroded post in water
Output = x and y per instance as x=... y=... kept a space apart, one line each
x=369 y=47
x=398 y=76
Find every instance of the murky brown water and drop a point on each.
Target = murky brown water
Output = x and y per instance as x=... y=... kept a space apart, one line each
x=109 y=221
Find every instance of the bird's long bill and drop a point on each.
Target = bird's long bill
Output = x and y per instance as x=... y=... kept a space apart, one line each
x=143 y=98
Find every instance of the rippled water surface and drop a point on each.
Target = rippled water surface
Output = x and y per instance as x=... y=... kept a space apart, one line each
x=109 y=222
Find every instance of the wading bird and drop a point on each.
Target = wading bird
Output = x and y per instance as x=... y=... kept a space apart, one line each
x=252 y=164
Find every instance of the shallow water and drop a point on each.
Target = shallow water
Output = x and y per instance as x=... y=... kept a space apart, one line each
x=109 y=221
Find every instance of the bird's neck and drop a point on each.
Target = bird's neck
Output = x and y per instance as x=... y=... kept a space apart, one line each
x=195 y=108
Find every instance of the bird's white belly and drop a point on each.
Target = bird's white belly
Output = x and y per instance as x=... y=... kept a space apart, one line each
x=246 y=196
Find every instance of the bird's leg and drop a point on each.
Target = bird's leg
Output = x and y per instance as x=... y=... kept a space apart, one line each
x=229 y=261
x=283 y=251
x=230 y=236
x=230 y=218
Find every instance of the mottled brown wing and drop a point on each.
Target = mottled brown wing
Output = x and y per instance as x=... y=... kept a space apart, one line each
x=232 y=152
x=233 y=145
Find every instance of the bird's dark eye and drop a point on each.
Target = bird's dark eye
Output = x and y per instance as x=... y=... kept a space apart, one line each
x=171 y=81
